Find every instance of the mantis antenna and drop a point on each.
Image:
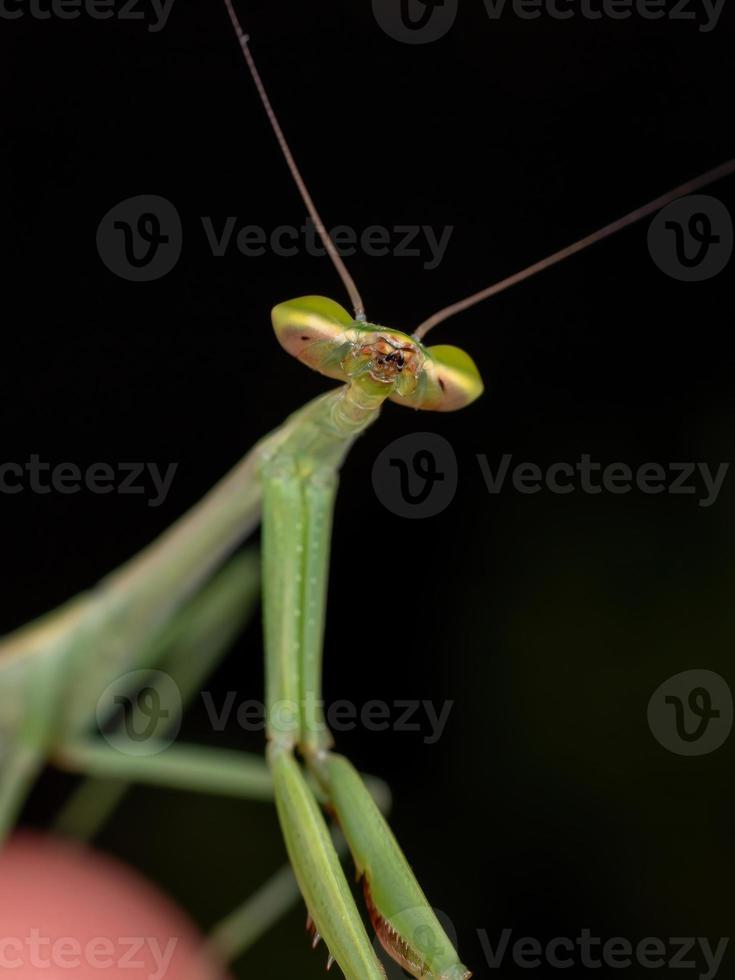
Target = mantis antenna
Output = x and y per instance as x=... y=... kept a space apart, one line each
x=348 y=281
x=689 y=187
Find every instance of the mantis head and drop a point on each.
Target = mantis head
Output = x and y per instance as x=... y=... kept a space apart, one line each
x=323 y=335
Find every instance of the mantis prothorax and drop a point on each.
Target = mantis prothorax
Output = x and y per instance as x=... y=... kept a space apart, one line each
x=53 y=670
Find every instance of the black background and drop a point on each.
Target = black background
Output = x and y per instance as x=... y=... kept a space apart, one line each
x=547 y=806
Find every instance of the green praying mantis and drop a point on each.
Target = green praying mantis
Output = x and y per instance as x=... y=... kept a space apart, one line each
x=170 y=607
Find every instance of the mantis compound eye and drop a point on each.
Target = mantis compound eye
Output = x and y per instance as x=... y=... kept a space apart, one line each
x=448 y=380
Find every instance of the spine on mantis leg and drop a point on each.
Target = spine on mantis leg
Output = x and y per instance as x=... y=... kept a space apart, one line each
x=318 y=871
x=402 y=917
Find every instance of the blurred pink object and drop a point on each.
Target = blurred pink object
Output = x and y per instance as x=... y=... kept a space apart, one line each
x=67 y=911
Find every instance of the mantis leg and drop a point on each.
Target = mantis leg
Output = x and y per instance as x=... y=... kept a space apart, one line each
x=320 y=876
x=238 y=931
x=292 y=504
x=404 y=922
x=178 y=766
x=319 y=491
x=297 y=527
x=187 y=650
x=402 y=917
x=283 y=547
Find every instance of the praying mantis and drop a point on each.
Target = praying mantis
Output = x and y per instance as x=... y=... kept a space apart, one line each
x=290 y=476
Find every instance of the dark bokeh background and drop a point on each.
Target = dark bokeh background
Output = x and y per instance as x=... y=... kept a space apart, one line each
x=547 y=806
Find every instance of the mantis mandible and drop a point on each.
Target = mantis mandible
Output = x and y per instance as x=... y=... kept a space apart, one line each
x=53 y=670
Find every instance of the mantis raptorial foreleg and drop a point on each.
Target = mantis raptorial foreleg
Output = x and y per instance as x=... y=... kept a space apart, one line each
x=232 y=937
x=402 y=918
x=318 y=871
